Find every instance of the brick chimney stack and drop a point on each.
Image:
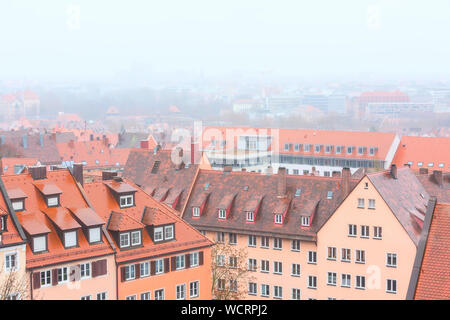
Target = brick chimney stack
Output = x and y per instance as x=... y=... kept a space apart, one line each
x=345 y=181
x=394 y=171
x=281 y=182
x=77 y=172
x=437 y=175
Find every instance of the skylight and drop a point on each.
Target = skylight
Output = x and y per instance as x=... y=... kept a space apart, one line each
x=330 y=195
x=298 y=192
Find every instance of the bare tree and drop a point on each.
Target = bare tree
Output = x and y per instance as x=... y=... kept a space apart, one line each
x=230 y=272
x=13 y=285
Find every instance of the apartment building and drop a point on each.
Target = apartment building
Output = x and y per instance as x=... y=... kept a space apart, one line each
x=68 y=253
x=300 y=151
x=366 y=249
x=274 y=217
x=158 y=255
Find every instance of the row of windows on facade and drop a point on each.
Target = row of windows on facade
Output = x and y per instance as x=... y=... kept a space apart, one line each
x=159 y=266
x=194 y=292
x=134 y=238
x=430 y=164
x=277 y=242
x=360 y=256
x=329 y=148
x=331 y=162
x=365 y=231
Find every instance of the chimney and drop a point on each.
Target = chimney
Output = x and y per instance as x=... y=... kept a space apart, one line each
x=38 y=172
x=335 y=174
x=193 y=144
x=345 y=181
x=227 y=168
x=423 y=171
x=281 y=182
x=108 y=175
x=394 y=171
x=244 y=169
x=77 y=172
x=144 y=144
x=91 y=137
x=437 y=175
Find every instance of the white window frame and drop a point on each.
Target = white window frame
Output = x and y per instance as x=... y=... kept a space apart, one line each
x=361 y=204
x=144 y=269
x=295 y=270
x=265 y=290
x=85 y=270
x=252 y=241
x=278 y=292
x=95 y=235
x=306 y=221
x=391 y=256
x=264 y=264
x=365 y=232
x=131 y=272
x=181 y=291
x=159 y=266
x=295 y=294
x=171 y=235
x=195 y=211
x=356 y=282
x=331 y=278
x=159 y=294
x=371 y=204
x=345 y=259
x=64 y=275
x=147 y=295
x=123 y=236
x=74 y=239
x=43 y=246
x=15 y=204
x=194 y=289
x=250 y=216
x=377 y=230
x=312 y=257
x=332 y=250
x=277 y=243
x=222 y=213
x=180 y=262
x=252 y=288
x=52 y=201
x=360 y=256
x=47 y=278
x=312 y=282
x=391 y=282
x=129 y=201
x=279 y=219
x=278 y=267
x=8 y=260
x=352 y=230
x=346 y=280
x=194 y=259
x=133 y=243
x=294 y=246
x=103 y=295
x=156 y=232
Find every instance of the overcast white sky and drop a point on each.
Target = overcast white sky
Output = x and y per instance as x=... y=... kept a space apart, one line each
x=47 y=39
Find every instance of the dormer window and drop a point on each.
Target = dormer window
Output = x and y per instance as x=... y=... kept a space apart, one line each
x=158 y=234
x=196 y=212
x=53 y=201
x=18 y=205
x=278 y=219
x=168 y=232
x=222 y=214
x=330 y=195
x=306 y=221
x=136 y=238
x=127 y=201
x=95 y=235
x=164 y=233
x=3 y=223
x=250 y=216
x=298 y=192
x=124 y=240
x=70 y=239
x=130 y=238
x=39 y=243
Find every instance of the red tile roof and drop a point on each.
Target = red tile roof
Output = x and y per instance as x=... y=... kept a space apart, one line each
x=48 y=188
x=425 y=150
x=7 y=164
x=62 y=218
x=434 y=276
x=434 y=188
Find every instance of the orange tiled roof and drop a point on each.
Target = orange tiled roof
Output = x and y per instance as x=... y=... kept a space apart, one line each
x=426 y=150
x=7 y=164
x=434 y=276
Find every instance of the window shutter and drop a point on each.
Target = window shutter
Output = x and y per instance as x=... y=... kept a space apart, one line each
x=54 y=277
x=166 y=265
x=77 y=272
x=137 y=270
x=122 y=273
x=36 y=280
x=152 y=268
x=102 y=267
x=188 y=260
x=72 y=271
x=200 y=258
x=173 y=262
x=94 y=269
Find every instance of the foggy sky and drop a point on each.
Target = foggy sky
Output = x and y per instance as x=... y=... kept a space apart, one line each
x=45 y=39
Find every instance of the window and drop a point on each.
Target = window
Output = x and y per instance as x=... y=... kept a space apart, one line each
x=307 y=147
x=277 y=267
x=360 y=256
x=168 y=232
x=232 y=262
x=70 y=239
x=361 y=203
x=222 y=214
x=232 y=238
x=391 y=260
x=129 y=272
x=312 y=257
x=89 y=298
x=145 y=296
x=125 y=240
x=220 y=260
x=296 y=147
x=277 y=243
x=252 y=241
x=364 y=231
x=330 y=195
x=10 y=262
x=159 y=294
x=295 y=245
x=101 y=296
x=159 y=266
x=264 y=242
x=441 y=165
x=346 y=280
x=126 y=201
x=135 y=238
x=265 y=290
x=158 y=234
x=371 y=203
x=352 y=230
x=278 y=219
x=419 y=164
x=264 y=265
x=295 y=294
x=328 y=148
x=360 y=282
x=331 y=253
x=305 y=221
x=63 y=275
x=360 y=150
x=278 y=292
x=18 y=205
x=46 y=278
x=287 y=146
x=13 y=296
x=194 y=259
x=181 y=291
x=377 y=232
x=85 y=270
x=193 y=289
x=372 y=151
x=298 y=192
x=180 y=262
x=233 y=285
x=346 y=255
x=349 y=150
x=250 y=216
x=196 y=212
x=366 y=185
x=94 y=235
x=430 y=164
x=331 y=278
x=312 y=282
x=144 y=269
x=221 y=237
x=338 y=149
x=252 y=264
x=295 y=270
x=39 y=244
x=391 y=286
x=252 y=289
x=52 y=201
x=220 y=284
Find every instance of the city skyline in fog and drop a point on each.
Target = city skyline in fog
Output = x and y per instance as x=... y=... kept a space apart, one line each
x=104 y=40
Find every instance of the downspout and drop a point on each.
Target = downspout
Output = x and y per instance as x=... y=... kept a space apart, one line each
x=31 y=285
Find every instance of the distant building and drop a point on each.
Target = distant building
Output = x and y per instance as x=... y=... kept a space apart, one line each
x=244 y=105
x=20 y=104
x=281 y=104
x=397 y=109
x=361 y=103
x=319 y=101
